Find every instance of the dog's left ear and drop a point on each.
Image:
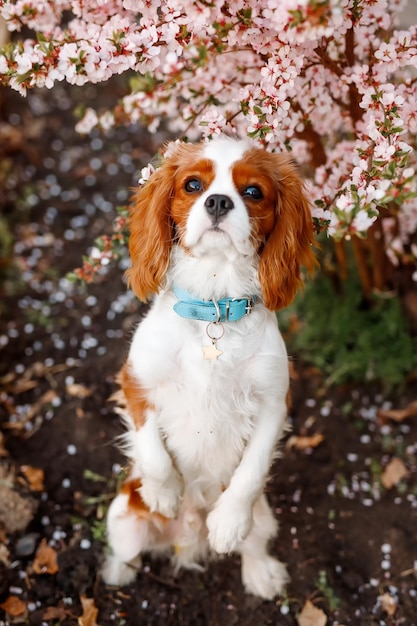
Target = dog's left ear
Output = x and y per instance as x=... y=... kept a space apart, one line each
x=289 y=245
x=151 y=232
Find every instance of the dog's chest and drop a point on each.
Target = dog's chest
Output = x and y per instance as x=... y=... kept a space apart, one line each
x=209 y=402
x=206 y=408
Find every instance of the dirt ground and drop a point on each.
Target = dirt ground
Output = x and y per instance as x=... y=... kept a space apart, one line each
x=345 y=489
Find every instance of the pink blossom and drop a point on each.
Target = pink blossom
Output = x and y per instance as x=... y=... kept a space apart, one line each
x=278 y=71
x=146 y=173
x=88 y=122
x=363 y=221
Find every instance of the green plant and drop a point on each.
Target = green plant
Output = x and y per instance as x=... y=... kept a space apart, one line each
x=98 y=530
x=324 y=587
x=348 y=338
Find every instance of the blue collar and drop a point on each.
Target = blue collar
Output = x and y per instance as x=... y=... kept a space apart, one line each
x=224 y=310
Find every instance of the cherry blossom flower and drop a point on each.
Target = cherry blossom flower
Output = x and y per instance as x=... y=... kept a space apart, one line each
x=333 y=82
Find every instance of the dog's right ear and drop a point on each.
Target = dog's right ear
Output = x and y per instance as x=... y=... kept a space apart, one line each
x=151 y=232
x=290 y=244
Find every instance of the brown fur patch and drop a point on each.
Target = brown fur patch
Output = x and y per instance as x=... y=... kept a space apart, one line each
x=134 y=395
x=131 y=489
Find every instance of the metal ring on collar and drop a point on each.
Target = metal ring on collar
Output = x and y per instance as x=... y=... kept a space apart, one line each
x=218 y=325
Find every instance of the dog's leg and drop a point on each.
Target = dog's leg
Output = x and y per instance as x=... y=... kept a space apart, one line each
x=127 y=536
x=231 y=519
x=162 y=486
x=131 y=530
x=262 y=575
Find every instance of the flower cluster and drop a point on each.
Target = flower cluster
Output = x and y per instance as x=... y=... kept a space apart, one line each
x=333 y=81
x=106 y=250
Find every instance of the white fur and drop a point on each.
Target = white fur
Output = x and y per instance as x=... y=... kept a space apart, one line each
x=205 y=449
x=236 y=227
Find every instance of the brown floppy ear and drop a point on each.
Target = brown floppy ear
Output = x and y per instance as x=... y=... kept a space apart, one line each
x=151 y=232
x=289 y=245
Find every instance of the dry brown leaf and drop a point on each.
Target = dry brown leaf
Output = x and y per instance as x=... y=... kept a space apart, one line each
x=90 y=612
x=46 y=398
x=398 y=415
x=79 y=413
x=30 y=378
x=305 y=442
x=311 y=616
x=3 y=451
x=54 y=613
x=394 y=472
x=14 y=606
x=4 y=555
x=45 y=559
x=34 y=477
x=8 y=403
x=7 y=378
x=388 y=604
x=11 y=383
x=78 y=391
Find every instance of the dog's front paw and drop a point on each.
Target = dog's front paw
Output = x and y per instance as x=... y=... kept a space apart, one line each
x=163 y=498
x=228 y=524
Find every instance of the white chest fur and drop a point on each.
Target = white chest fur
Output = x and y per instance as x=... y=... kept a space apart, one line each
x=206 y=410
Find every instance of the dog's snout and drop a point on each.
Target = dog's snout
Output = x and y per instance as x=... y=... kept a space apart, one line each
x=218 y=205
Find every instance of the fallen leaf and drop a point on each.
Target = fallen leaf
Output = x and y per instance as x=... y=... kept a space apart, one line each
x=78 y=391
x=4 y=555
x=305 y=442
x=47 y=398
x=54 y=613
x=45 y=559
x=8 y=403
x=90 y=611
x=311 y=616
x=394 y=472
x=34 y=477
x=31 y=376
x=398 y=415
x=388 y=604
x=3 y=451
x=14 y=606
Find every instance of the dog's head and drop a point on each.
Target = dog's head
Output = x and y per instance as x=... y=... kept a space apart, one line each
x=223 y=195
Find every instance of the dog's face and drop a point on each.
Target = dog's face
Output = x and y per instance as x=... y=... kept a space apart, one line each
x=224 y=195
x=223 y=199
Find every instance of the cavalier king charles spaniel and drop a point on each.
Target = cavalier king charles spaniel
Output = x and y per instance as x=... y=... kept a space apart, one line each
x=218 y=237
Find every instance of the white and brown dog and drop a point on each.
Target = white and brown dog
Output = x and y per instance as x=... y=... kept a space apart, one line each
x=219 y=233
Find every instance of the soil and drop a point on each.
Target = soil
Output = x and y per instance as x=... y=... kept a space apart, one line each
x=348 y=521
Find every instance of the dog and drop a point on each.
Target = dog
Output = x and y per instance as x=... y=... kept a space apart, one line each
x=218 y=236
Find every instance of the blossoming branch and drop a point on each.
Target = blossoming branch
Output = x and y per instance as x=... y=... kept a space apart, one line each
x=332 y=81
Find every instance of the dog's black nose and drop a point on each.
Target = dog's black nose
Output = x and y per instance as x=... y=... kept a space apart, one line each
x=218 y=205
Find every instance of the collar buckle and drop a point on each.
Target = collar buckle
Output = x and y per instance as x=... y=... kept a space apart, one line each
x=250 y=303
x=249 y=306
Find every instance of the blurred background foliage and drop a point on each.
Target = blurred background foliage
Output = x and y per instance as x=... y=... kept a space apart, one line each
x=348 y=335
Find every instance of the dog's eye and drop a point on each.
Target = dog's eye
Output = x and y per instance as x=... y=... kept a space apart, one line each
x=253 y=192
x=193 y=185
